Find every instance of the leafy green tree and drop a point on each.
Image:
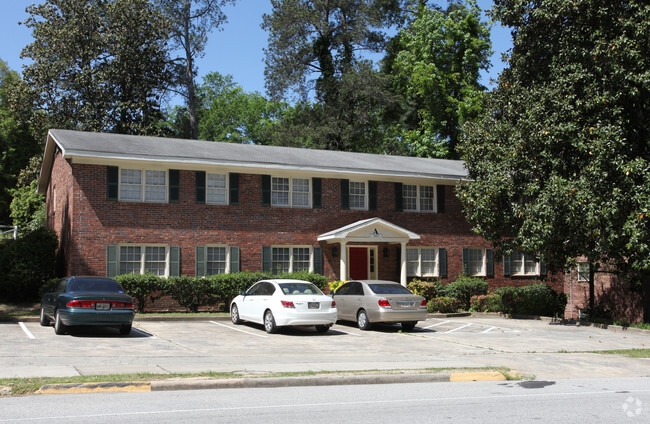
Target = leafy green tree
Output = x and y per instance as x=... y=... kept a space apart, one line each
x=314 y=50
x=97 y=65
x=191 y=22
x=16 y=142
x=435 y=63
x=28 y=207
x=228 y=113
x=560 y=159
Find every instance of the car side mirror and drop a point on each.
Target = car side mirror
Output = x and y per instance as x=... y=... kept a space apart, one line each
x=242 y=293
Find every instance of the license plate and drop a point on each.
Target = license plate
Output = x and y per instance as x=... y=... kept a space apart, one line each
x=103 y=306
x=313 y=305
x=405 y=304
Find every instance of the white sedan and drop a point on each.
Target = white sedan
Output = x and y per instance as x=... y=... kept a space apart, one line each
x=278 y=303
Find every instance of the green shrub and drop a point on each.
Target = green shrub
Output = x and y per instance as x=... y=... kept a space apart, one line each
x=486 y=303
x=227 y=286
x=536 y=299
x=426 y=289
x=191 y=292
x=464 y=288
x=26 y=264
x=444 y=304
x=144 y=288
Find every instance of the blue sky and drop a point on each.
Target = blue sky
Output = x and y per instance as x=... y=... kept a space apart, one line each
x=236 y=50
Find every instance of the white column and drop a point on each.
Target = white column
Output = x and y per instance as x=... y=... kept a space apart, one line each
x=403 y=279
x=344 y=262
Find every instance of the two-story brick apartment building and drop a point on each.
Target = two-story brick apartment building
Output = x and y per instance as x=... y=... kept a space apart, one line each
x=124 y=204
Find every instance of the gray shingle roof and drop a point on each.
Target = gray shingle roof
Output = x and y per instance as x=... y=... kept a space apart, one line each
x=117 y=146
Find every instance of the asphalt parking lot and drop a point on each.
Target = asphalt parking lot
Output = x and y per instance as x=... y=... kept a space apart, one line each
x=536 y=348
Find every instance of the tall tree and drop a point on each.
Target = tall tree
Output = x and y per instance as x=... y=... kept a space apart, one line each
x=435 y=64
x=98 y=65
x=17 y=144
x=228 y=113
x=192 y=21
x=561 y=157
x=315 y=50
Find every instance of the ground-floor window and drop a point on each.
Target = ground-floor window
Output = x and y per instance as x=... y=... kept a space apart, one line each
x=422 y=261
x=524 y=263
x=136 y=259
x=278 y=259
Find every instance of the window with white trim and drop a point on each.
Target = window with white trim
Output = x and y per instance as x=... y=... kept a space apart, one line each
x=418 y=198
x=358 y=195
x=476 y=262
x=137 y=259
x=216 y=260
x=216 y=190
x=143 y=185
x=290 y=192
x=422 y=261
x=583 y=271
x=523 y=263
x=291 y=258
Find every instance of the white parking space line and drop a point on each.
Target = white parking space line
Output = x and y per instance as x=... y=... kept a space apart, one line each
x=488 y=330
x=237 y=329
x=435 y=325
x=459 y=328
x=29 y=333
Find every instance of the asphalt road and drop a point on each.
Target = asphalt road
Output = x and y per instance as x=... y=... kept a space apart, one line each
x=558 y=401
x=540 y=349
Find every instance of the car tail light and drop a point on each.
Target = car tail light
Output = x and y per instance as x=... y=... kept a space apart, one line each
x=288 y=304
x=423 y=304
x=121 y=305
x=384 y=303
x=81 y=304
x=333 y=304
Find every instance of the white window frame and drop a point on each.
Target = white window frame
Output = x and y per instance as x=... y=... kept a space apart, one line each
x=483 y=271
x=581 y=274
x=418 y=272
x=419 y=198
x=226 y=189
x=143 y=185
x=142 y=261
x=525 y=257
x=365 y=195
x=227 y=260
x=291 y=257
x=291 y=192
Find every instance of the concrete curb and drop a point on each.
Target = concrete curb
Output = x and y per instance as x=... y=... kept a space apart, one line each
x=269 y=382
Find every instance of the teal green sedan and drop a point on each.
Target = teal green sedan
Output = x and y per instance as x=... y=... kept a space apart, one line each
x=87 y=301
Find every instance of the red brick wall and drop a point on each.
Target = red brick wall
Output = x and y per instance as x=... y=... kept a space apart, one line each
x=95 y=222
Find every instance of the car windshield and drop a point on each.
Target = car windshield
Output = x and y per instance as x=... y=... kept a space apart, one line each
x=299 y=288
x=388 y=289
x=95 y=285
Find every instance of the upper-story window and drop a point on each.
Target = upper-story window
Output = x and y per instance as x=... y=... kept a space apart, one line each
x=358 y=195
x=418 y=198
x=216 y=190
x=290 y=192
x=138 y=185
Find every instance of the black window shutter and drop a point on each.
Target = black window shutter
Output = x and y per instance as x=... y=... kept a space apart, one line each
x=266 y=190
x=317 y=192
x=372 y=195
x=398 y=197
x=174 y=185
x=200 y=187
x=345 y=194
x=234 y=189
x=442 y=261
x=441 y=198
x=489 y=263
x=112 y=178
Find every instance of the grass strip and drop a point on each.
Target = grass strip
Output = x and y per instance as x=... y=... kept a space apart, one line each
x=27 y=386
x=630 y=353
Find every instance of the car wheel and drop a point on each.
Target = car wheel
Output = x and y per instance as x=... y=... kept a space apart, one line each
x=59 y=327
x=234 y=314
x=125 y=330
x=45 y=321
x=362 y=320
x=322 y=328
x=269 y=323
x=409 y=326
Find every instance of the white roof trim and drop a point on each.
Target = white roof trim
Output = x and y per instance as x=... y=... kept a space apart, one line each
x=344 y=233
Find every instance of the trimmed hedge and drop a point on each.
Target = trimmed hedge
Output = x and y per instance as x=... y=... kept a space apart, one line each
x=486 y=303
x=464 y=288
x=192 y=293
x=536 y=299
x=444 y=304
x=426 y=289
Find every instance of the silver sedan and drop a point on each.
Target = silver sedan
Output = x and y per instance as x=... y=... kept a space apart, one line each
x=372 y=301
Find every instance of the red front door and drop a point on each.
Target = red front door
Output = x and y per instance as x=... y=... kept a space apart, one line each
x=358 y=263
